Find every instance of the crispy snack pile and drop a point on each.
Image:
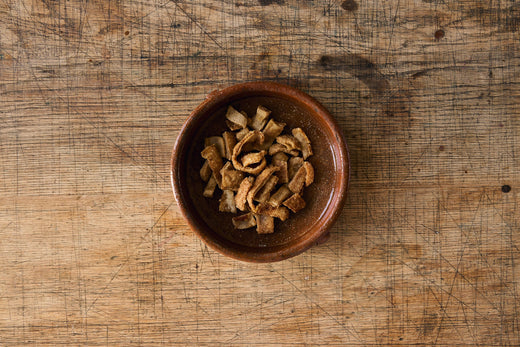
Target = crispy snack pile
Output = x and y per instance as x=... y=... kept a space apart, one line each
x=260 y=170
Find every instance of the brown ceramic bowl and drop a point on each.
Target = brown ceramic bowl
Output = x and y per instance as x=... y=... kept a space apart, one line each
x=325 y=197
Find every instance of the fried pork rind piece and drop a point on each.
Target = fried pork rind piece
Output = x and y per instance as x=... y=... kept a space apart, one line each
x=227 y=202
x=205 y=171
x=232 y=126
x=297 y=182
x=252 y=158
x=214 y=159
x=271 y=131
x=235 y=120
x=304 y=142
x=295 y=203
x=244 y=221
x=279 y=148
x=240 y=134
x=253 y=137
x=231 y=178
x=293 y=166
x=260 y=118
x=280 y=160
x=290 y=142
x=264 y=193
x=264 y=224
x=209 y=190
x=309 y=173
x=218 y=142
x=280 y=212
x=279 y=196
x=260 y=181
x=241 y=197
x=229 y=143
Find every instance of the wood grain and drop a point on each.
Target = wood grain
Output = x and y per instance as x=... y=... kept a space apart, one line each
x=95 y=251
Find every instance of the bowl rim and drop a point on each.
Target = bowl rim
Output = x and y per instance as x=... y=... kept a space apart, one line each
x=343 y=161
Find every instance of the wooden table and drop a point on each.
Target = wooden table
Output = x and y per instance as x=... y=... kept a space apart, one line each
x=94 y=250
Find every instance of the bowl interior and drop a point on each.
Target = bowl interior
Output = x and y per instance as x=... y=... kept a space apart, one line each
x=215 y=227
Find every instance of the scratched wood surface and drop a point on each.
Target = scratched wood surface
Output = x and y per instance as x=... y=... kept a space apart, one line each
x=94 y=250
